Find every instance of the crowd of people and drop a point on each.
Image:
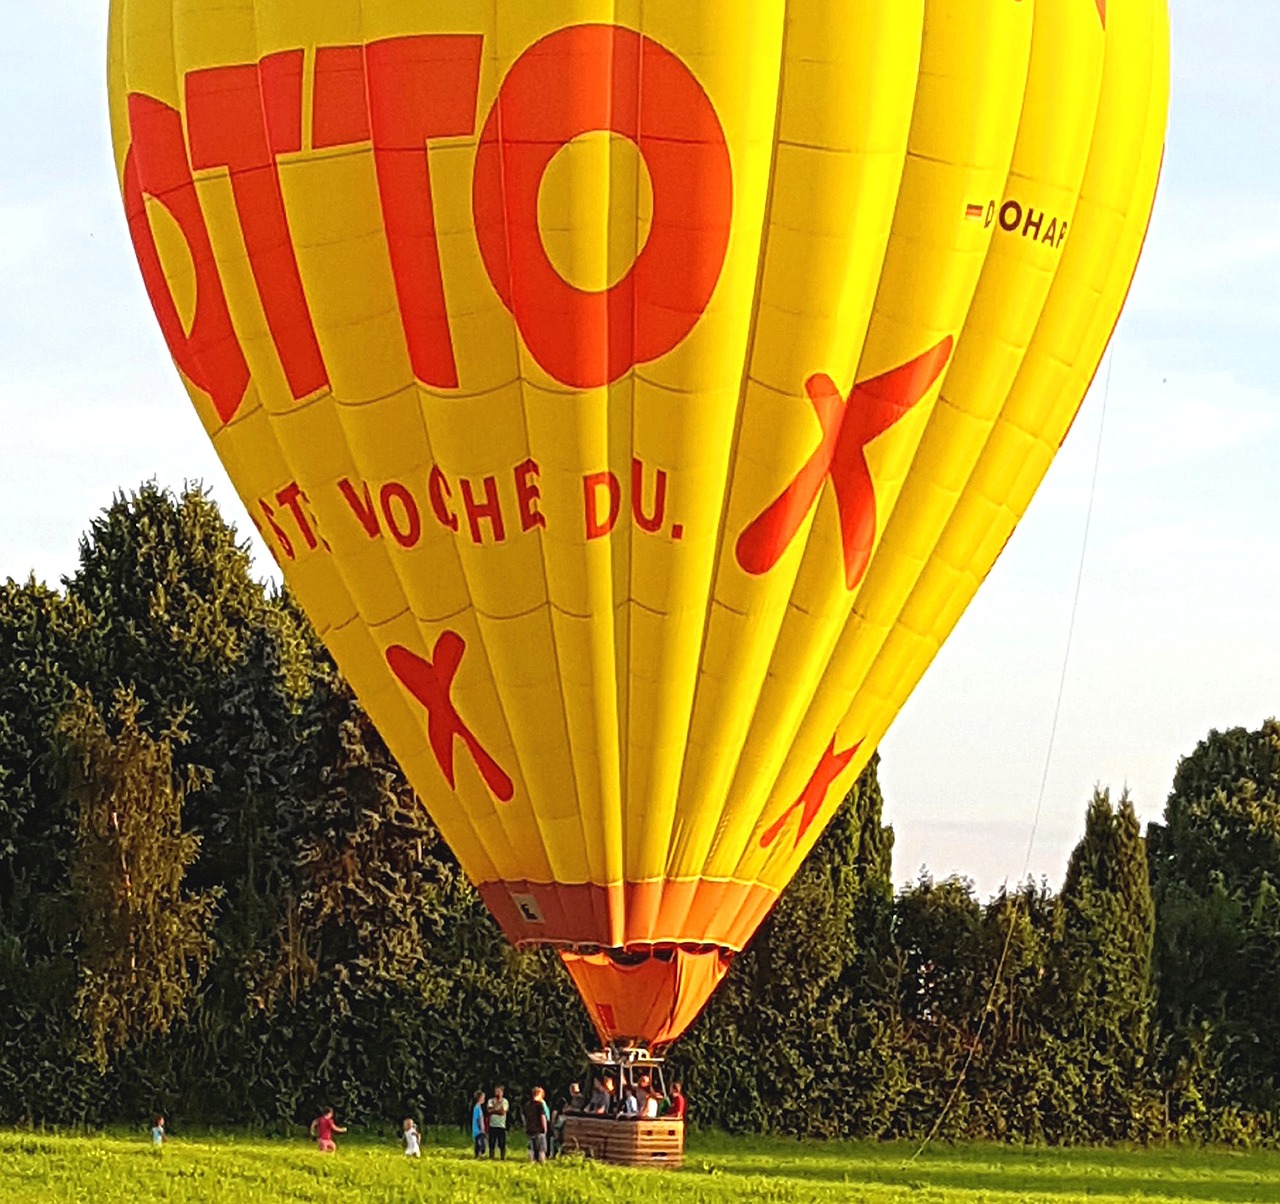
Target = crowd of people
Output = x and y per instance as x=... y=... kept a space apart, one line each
x=544 y=1127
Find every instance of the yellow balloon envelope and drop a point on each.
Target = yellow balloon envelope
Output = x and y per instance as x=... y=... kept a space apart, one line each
x=635 y=392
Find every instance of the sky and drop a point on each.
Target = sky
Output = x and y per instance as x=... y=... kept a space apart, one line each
x=1176 y=628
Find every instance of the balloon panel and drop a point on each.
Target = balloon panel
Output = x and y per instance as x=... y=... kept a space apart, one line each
x=635 y=395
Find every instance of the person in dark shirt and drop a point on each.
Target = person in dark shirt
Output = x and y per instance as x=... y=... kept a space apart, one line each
x=535 y=1125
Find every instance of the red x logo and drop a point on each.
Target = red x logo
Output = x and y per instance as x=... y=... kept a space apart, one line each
x=847 y=427
x=832 y=765
x=430 y=682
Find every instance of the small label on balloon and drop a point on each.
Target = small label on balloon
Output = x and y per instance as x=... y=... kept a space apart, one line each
x=529 y=909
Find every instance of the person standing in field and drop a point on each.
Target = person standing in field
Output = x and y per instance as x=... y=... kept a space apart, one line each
x=412 y=1139
x=157 y=1131
x=536 y=1123
x=496 y=1113
x=323 y=1128
x=479 y=1130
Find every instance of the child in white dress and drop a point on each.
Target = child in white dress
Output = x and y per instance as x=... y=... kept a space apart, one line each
x=412 y=1140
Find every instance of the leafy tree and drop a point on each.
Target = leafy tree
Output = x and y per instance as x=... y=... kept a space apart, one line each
x=1215 y=872
x=145 y=942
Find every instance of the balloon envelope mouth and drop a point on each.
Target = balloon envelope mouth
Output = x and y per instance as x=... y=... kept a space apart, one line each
x=645 y=995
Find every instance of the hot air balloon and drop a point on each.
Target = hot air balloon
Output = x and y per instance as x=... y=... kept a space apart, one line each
x=634 y=393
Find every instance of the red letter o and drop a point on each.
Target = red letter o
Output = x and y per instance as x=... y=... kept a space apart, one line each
x=572 y=82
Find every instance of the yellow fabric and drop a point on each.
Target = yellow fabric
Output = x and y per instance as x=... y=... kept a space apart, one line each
x=967 y=178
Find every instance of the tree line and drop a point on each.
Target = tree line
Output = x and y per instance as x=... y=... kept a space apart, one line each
x=220 y=899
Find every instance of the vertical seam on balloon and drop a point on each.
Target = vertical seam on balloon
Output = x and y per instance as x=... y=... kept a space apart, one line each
x=525 y=404
x=629 y=611
x=483 y=831
x=505 y=819
x=744 y=384
x=804 y=537
x=621 y=543
x=557 y=656
x=480 y=831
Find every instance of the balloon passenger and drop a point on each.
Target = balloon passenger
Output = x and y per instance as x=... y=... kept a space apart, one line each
x=679 y=1104
x=323 y=1128
x=649 y=1098
x=601 y=1097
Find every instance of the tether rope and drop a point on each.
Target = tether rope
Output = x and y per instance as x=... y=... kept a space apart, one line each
x=1044 y=782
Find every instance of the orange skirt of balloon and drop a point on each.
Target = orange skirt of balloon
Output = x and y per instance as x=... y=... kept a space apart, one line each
x=646 y=998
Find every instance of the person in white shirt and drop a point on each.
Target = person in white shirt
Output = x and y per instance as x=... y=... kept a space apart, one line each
x=412 y=1139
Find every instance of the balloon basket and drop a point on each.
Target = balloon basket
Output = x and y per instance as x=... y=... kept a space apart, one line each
x=613 y=1137
x=621 y=1142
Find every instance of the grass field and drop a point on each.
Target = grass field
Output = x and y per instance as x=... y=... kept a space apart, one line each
x=118 y=1169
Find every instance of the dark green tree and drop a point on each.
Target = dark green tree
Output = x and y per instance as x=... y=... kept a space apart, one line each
x=1099 y=988
x=48 y=643
x=1215 y=871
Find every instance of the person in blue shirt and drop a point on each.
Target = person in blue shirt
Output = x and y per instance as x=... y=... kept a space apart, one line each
x=477 y=1124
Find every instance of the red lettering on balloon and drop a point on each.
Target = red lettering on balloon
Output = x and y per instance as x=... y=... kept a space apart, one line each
x=651 y=523
x=157 y=167
x=292 y=498
x=438 y=490
x=405 y=527
x=574 y=81
x=847 y=427
x=361 y=507
x=490 y=509
x=528 y=495
x=339 y=103
x=280 y=78
x=431 y=683
x=811 y=799
x=598 y=524
x=419 y=89
x=241 y=118
x=286 y=544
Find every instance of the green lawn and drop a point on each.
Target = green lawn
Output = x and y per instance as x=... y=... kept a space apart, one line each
x=116 y=1168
